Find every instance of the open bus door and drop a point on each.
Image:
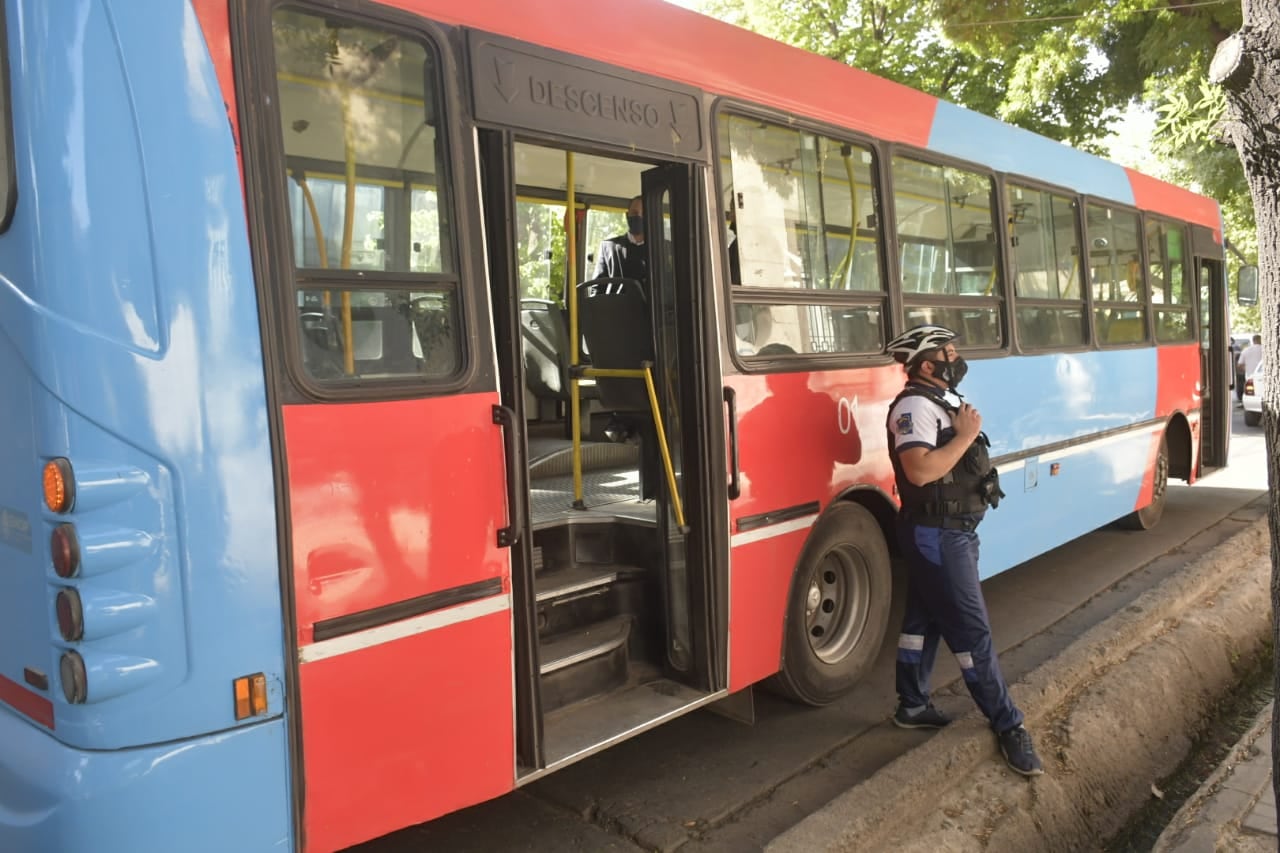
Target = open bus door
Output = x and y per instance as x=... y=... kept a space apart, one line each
x=610 y=589
x=1215 y=364
x=669 y=193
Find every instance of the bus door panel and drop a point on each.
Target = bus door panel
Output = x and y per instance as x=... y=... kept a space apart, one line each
x=390 y=441
x=1215 y=363
x=497 y=174
x=403 y=606
x=691 y=652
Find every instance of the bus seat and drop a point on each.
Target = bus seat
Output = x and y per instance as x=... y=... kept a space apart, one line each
x=859 y=332
x=545 y=344
x=382 y=340
x=617 y=329
x=321 y=351
x=1125 y=330
x=618 y=332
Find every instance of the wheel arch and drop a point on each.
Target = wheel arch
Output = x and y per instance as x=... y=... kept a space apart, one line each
x=1178 y=437
x=880 y=505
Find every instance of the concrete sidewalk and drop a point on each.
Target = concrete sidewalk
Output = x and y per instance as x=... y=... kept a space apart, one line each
x=952 y=793
x=1235 y=809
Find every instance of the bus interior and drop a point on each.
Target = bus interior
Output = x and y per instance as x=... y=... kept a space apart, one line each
x=608 y=559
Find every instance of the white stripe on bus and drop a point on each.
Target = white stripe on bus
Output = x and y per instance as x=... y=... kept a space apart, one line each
x=404 y=628
x=1083 y=447
x=772 y=530
x=1088 y=447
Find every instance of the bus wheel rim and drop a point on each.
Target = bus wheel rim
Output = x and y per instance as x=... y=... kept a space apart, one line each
x=837 y=602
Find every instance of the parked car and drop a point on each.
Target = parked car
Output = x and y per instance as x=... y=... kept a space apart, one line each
x=1252 y=399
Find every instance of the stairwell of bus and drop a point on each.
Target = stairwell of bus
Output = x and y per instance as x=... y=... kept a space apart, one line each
x=604 y=552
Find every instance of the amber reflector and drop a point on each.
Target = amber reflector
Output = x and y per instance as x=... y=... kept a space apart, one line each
x=59 y=488
x=251 y=696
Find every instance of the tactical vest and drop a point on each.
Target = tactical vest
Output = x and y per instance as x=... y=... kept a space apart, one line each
x=966 y=490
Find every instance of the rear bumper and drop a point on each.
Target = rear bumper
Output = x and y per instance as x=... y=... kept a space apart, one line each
x=221 y=792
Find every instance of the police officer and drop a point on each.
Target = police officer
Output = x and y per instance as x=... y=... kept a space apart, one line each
x=946 y=482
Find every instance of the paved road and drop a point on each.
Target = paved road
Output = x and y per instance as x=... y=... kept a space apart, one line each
x=704 y=784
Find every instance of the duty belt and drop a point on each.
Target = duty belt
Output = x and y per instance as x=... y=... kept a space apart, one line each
x=946 y=522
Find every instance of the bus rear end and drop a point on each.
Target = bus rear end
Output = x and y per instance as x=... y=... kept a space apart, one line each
x=142 y=676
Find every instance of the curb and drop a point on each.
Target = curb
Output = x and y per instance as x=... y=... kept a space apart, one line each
x=1215 y=810
x=1099 y=766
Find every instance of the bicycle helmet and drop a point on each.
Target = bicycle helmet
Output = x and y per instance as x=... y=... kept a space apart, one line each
x=907 y=347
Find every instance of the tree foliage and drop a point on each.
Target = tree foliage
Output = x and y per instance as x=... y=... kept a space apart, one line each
x=1062 y=68
x=1066 y=69
x=897 y=39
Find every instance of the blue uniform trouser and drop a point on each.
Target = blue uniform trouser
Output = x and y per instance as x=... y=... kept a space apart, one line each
x=944 y=600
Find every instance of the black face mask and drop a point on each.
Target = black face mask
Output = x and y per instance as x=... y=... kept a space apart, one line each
x=951 y=372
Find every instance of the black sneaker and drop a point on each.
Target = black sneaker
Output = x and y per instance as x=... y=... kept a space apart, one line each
x=927 y=717
x=1020 y=752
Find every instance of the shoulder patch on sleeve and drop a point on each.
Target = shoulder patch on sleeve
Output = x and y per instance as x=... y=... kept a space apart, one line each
x=903 y=424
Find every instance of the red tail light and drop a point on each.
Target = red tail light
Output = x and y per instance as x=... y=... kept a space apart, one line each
x=1248 y=386
x=70 y=615
x=65 y=547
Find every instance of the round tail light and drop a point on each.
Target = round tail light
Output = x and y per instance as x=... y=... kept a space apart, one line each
x=59 y=485
x=65 y=548
x=75 y=681
x=70 y=615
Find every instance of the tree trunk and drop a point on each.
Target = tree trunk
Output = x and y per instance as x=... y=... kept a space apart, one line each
x=1247 y=65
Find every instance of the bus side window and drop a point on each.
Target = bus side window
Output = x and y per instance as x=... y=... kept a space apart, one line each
x=364 y=200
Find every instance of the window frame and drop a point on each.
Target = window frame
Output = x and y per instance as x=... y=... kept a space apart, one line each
x=1148 y=339
x=738 y=295
x=1017 y=301
x=284 y=282
x=1189 y=286
x=1002 y=301
x=8 y=168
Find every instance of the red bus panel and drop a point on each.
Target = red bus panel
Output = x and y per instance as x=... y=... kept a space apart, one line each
x=407 y=689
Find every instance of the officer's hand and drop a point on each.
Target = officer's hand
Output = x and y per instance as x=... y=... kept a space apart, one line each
x=967 y=423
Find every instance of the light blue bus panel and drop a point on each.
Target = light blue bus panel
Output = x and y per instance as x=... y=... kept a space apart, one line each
x=963 y=133
x=214 y=794
x=1094 y=412
x=130 y=346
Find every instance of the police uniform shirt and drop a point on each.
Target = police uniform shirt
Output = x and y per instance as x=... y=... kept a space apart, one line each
x=916 y=421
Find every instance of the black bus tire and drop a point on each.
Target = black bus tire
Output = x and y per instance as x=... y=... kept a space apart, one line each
x=1149 y=516
x=838 y=608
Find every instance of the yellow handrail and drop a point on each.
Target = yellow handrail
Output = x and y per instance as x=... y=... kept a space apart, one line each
x=845 y=267
x=645 y=372
x=571 y=298
x=348 y=226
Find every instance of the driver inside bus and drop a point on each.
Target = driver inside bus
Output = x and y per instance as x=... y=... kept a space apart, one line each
x=625 y=256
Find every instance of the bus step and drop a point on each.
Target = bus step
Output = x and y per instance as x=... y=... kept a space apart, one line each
x=577 y=596
x=572 y=581
x=583 y=663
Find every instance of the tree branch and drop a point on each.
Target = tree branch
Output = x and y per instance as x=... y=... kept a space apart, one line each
x=1186 y=9
x=944 y=85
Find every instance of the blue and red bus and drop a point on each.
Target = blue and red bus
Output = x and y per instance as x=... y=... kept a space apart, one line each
x=333 y=498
